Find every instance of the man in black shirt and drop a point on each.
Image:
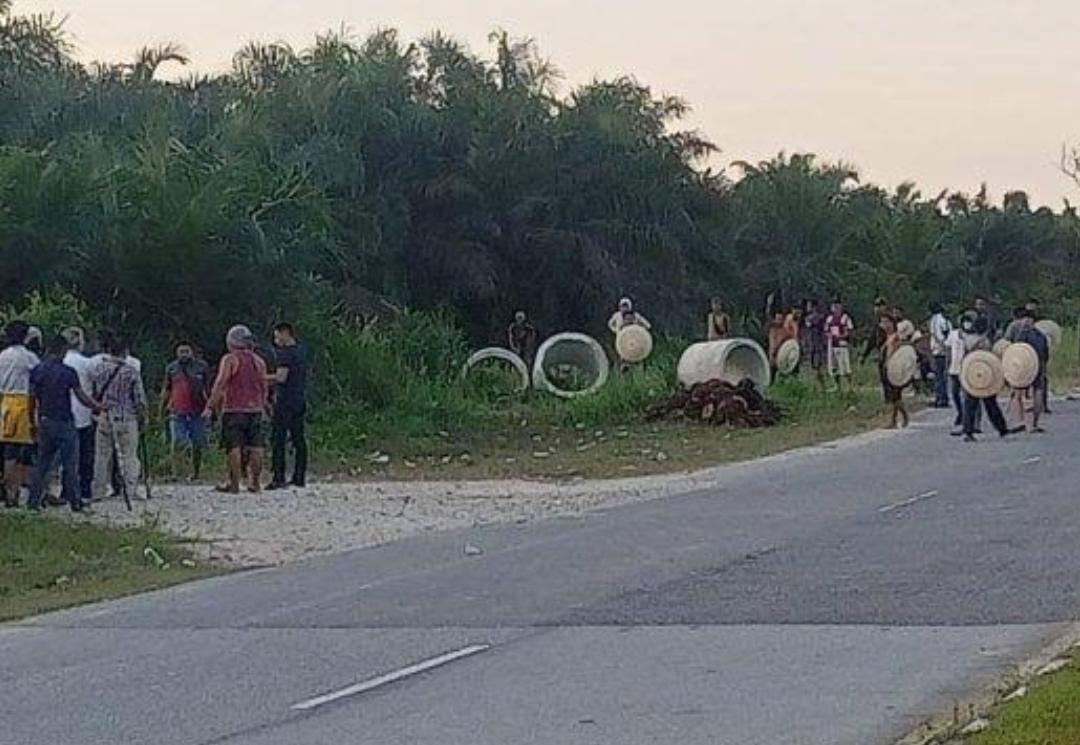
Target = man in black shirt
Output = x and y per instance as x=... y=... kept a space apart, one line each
x=52 y=383
x=290 y=406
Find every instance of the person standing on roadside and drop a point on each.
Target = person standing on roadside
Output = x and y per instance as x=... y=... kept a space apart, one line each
x=290 y=406
x=81 y=414
x=240 y=394
x=16 y=410
x=718 y=322
x=183 y=398
x=838 y=330
x=118 y=386
x=522 y=337
x=955 y=346
x=939 y=352
x=53 y=385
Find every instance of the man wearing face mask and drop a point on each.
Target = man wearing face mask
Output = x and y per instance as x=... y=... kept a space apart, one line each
x=183 y=398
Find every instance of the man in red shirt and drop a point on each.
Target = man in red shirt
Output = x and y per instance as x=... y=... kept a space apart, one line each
x=183 y=398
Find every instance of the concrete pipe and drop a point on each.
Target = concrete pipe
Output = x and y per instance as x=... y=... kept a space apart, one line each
x=730 y=360
x=502 y=355
x=577 y=352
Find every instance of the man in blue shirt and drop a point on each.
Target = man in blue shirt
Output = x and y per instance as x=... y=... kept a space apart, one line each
x=52 y=384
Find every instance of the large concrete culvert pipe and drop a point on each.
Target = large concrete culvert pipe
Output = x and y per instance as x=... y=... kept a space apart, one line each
x=499 y=354
x=577 y=351
x=730 y=360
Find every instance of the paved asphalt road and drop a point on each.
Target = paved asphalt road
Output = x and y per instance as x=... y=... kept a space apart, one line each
x=831 y=596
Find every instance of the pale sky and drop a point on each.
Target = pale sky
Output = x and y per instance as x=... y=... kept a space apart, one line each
x=947 y=94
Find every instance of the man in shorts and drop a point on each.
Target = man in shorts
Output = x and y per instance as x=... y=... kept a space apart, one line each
x=240 y=394
x=838 y=330
x=183 y=398
x=16 y=410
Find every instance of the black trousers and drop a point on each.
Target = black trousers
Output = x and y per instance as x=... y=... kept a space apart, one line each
x=87 y=437
x=288 y=426
x=993 y=412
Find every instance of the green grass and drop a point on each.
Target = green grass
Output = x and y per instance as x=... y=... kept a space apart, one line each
x=1048 y=715
x=1065 y=362
x=48 y=563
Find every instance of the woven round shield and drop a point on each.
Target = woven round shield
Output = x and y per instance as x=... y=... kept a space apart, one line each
x=981 y=374
x=1020 y=365
x=787 y=357
x=633 y=343
x=1052 y=331
x=1001 y=346
x=901 y=366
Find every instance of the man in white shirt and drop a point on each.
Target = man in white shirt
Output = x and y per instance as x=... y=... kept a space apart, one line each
x=939 y=350
x=955 y=346
x=16 y=410
x=84 y=420
x=627 y=316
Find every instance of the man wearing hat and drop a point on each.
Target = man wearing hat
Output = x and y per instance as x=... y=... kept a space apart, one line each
x=241 y=394
x=627 y=316
x=1029 y=334
x=897 y=335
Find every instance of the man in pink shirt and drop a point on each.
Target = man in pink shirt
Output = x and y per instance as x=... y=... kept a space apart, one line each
x=240 y=394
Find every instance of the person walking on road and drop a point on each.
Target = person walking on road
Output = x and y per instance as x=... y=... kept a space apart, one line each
x=955 y=347
x=240 y=394
x=118 y=385
x=53 y=385
x=1029 y=334
x=183 y=398
x=974 y=328
x=16 y=410
x=939 y=352
x=290 y=407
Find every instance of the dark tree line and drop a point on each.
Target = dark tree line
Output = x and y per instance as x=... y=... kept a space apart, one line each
x=382 y=173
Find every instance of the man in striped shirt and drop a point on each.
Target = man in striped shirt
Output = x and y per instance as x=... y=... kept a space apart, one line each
x=119 y=388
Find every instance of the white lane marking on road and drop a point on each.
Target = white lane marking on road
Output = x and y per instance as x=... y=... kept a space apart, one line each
x=1032 y=459
x=908 y=502
x=388 y=678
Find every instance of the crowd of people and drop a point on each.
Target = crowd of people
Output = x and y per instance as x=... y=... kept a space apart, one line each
x=825 y=340
x=82 y=407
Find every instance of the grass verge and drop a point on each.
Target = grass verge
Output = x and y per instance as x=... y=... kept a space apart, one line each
x=1048 y=715
x=47 y=563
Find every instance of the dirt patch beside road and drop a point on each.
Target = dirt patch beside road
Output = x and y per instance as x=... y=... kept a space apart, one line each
x=279 y=527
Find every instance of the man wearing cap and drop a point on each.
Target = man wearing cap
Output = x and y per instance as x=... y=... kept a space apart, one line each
x=240 y=393
x=82 y=416
x=627 y=316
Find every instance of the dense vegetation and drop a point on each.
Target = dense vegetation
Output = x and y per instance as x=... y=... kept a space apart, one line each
x=361 y=177
x=427 y=177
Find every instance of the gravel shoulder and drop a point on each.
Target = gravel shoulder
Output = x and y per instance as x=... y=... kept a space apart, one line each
x=276 y=528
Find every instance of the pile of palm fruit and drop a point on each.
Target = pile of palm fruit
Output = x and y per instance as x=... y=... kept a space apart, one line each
x=720 y=403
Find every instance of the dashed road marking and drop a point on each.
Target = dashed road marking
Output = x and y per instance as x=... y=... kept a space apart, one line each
x=382 y=680
x=908 y=502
